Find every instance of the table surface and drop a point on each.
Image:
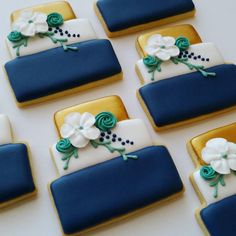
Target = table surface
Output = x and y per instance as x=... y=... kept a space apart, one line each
x=215 y=23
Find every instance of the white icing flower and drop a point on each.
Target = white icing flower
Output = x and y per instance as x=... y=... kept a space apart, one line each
x=220 y=154
x=162 y=47
x=30 y=23
x=79 y=129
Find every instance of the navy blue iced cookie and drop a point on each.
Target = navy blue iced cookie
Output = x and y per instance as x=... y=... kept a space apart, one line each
x=16 y=178
x=108 y=168
x=53 y=57
x=121 y=17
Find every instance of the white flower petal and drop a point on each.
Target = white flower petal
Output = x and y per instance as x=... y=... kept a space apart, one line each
x=40 y=18
x=221 y=166
x=232 y=162
x=163 y=55
x=231 y=148
x=28 y=30
x=152 y=50
x=78 y=140
x=87 y=120
x=73 y=119
x=91 y=133
x=173 y=51
x=168 y=41
x=25 y=15
x=209 y=154
x=41 y=28
x=66 y=130
x=154 y=39
x=220 y=145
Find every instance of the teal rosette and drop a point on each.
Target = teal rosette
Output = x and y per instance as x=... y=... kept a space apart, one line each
x=15 y=36
x=208 y=173
x=182 y=43
x=55 y=20
x=150 y=61
x=105 y=121
x=64 y=146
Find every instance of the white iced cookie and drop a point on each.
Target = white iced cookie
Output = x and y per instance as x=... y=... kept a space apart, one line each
x=72 y=31
x=169 y=57
x=91 y=147
x=5 y=130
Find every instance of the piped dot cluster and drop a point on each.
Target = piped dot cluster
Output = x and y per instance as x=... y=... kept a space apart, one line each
x=109 y=136
x=62 y=32
x=192 y=55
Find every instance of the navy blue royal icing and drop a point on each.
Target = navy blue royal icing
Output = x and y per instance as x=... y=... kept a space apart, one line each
x=122 y=14
x=55 y=70
x=191 y=95
x=219 y=218
x=99 y=193
x=15 y=174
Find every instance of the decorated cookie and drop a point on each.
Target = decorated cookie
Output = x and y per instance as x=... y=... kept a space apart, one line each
x=55 y=54
x=182 y=78
x=214 y=154
x=120 y=17
x=16 y=179
x=108 y=166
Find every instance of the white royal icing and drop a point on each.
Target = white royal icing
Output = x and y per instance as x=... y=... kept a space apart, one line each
x=224 y=191
x=37 y=44
x=169 y=69
x=5 y=130
x=134 y=130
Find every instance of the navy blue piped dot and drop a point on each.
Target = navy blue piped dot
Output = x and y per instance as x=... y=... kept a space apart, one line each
x=195 y=58
x=101 y=139
x=102 y=134
x=203 y=59
x=192 y=54
x=61 y=34
x=69 y=35
x=57 y=28
x=66 y=32
x=123 y=143
x=132 y=143
x=119 y=139
x=186 y=52
x=107 y=137
x=50 y=29
x=207 y=59
x=109 y=132
x=113 y=140
x=199 y=56
x=55 y=31
x=78 y=35
x=60 y=30
x=74 y=35
x=189 y=56
x=127 y=141
x=114 y=135
x=184 y=55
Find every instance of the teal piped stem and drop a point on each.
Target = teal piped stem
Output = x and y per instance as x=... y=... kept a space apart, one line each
x=55 y=40
x=22 y=43
x=215 y=183
x=112 y=149
x=155 y=68
x=184 y=61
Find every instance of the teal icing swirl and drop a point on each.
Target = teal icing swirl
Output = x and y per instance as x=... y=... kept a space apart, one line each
x=182 y=43
x=55 y=20
x=105 y=121
x=208 y=173
x=150 y=61
x=15 y=36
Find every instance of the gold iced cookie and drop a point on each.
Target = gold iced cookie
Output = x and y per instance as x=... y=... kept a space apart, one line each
x=187 y=31
x=112 y=104
x=61 y=7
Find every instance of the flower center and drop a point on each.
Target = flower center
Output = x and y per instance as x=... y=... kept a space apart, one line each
x=163 y=47
x=225 y=156
x=30 y=22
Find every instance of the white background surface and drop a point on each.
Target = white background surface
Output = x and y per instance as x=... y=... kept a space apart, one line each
x=215 y=22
